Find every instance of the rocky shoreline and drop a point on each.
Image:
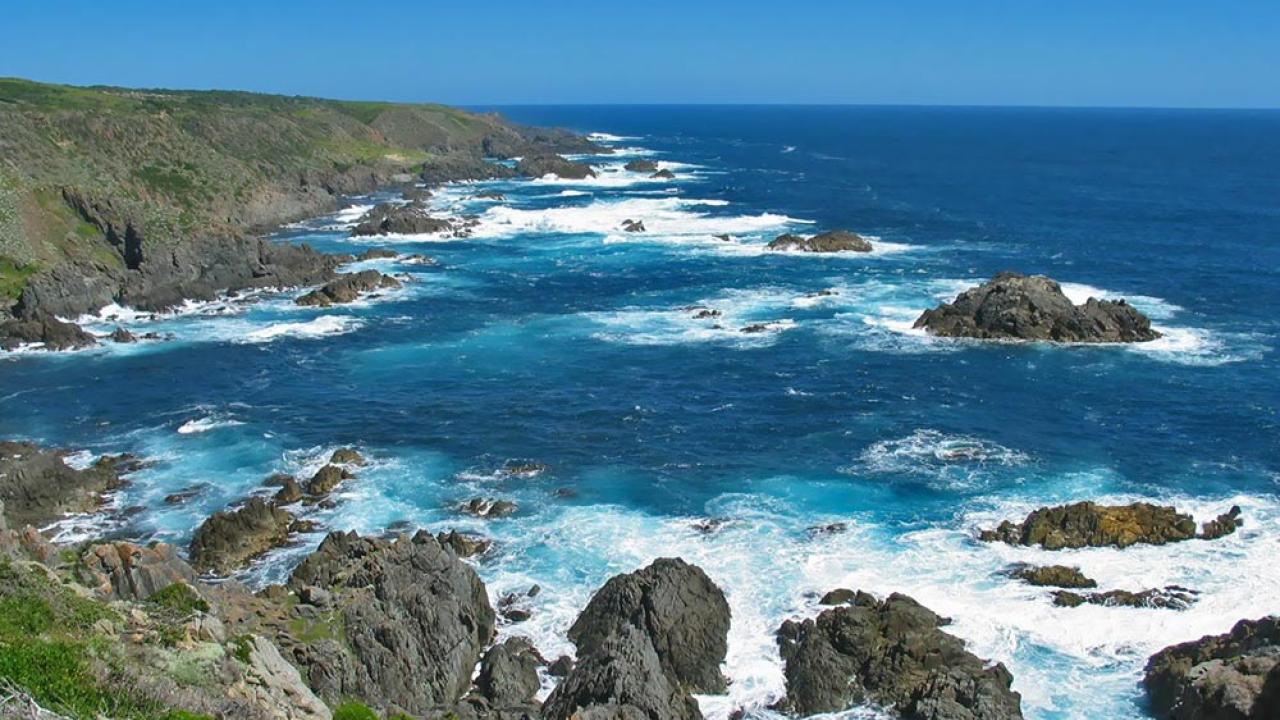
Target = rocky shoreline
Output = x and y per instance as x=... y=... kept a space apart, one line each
x=403 y=625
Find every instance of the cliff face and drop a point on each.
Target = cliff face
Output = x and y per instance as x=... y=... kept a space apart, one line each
x=150 y=196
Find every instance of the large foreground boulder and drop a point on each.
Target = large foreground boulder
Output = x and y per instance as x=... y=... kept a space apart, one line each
x=536 y=166
x=348 y=288
x=677 y=607
x=229 y=539
x=1013 y=306
x=37 y=486
x=1219 y=677
x=621 y=678
x=410 y=621
x=1087 y=524
x=890 y=653
x=832 y=241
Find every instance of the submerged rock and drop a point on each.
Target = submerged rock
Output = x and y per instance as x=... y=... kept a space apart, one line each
x=541 y=165
x=890 y=653
x=229 y=539
x=677 y=609
x=37 y=486
x=1087 y=524
x=348 y=288
x=1052 y=576
x=1172 y=597
x=413 y=620
x=488 y=508
x=827 y=242
x=1235 y=676
x=1033 y=307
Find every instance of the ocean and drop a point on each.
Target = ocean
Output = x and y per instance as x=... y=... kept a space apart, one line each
x=552 y=336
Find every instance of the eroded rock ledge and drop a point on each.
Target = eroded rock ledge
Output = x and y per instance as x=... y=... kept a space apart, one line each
x=1087 y=524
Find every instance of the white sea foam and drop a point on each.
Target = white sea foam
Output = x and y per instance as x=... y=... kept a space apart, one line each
x=604 y=137
x=317 y=327
x=945 y=461
x=205 y=424
x=80 y=459
x=665 y=219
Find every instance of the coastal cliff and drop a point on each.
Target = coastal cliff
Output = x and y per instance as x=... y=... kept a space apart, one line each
x=151 y=197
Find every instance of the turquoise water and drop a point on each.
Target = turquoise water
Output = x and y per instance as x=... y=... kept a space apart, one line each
x=552 y=336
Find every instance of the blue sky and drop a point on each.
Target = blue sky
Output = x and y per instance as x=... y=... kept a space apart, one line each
x=1170 y=53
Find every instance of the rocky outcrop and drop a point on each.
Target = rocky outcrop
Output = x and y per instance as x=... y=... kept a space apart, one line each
x=401 y=219
x=890 y=653
x=508 y=678
x=229 y=539
x=622 y=677
x=1052 y=576
x=1087 y=524
x=125 y=571
x=488 y=508
x=1235 y=676
x=828 y=242
x=326 y=479
x=646 y=166
x=45 y=330
x=348 y=288
x=541 y=165
x=634 y=226
x=1172 y=597
x=663 y=174
x=413 y=620
x=1013 y=306
x=37 y=486
x=1223 y=525
x=464 y=545
x=270 y=682
x=677 y=609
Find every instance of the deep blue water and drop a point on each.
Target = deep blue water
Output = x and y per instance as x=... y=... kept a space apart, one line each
x=553 y=336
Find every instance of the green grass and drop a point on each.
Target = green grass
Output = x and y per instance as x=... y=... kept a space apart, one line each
x=180 y=598
x=354 y=710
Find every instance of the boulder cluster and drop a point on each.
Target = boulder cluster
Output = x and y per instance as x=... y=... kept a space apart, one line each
x=1088 y=524
x=832 y=241
x=348 y=288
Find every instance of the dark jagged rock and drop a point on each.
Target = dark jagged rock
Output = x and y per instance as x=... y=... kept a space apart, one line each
x=508 y=677
x=828 y=242
x=560 y=667
x=125 y=571
x=229 y=539
x=633 y=226
x=1235 y=676
x=488 y=508
x=839 y=596
x=523 y=468
x=1172 y=597
x=663 y=174
x=463 y=545
x=1086 y=524
x=346 y=456
x=289 y=493
x=400 y=219
x=1033 y=307
x=1223 y=525
x=1052 y=576
x=536 y=166
x=326 y=479
x=648 y=166
x=377 y=254
x=890 y=653
x=414 y=620
x=676 y=607
x=437 y=170
x=37 y=486
x=622 y=677
x=348 y=288
x=46 y=330
x=120 y=335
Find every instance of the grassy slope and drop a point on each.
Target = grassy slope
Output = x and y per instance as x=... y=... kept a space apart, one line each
x=180 y=163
